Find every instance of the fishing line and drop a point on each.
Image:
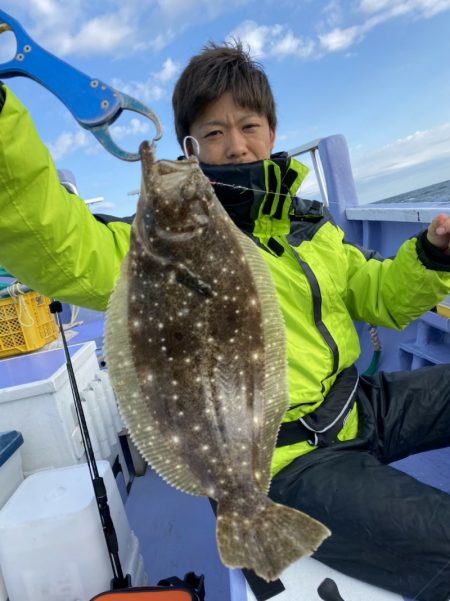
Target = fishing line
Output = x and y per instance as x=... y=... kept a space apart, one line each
x=243 y=189
x=239 y=188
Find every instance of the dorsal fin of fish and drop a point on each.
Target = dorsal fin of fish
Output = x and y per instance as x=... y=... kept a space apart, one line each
x=133 y=408
x=275 y=387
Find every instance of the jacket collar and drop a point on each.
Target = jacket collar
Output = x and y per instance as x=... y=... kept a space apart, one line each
x=258 y=196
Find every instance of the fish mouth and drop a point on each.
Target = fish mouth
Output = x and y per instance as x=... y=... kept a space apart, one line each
x=166 y=167
x=183 y=180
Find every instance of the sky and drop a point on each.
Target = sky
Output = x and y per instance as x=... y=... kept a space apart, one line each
x=375 y=71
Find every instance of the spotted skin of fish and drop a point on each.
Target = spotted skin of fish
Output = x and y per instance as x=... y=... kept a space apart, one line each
x=195 y=348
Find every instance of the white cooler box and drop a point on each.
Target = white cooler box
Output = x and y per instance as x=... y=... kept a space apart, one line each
x=36 y=399
x=52 y=546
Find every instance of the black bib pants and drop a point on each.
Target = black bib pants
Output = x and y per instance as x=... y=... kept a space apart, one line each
x=388 y=528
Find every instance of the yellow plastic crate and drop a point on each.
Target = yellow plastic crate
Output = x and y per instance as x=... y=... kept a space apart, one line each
x=26 y=324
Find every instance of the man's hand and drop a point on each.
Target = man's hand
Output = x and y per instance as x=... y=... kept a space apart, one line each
x=438 y=233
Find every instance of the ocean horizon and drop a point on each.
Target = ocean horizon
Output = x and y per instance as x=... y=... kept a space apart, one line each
x=439 y=192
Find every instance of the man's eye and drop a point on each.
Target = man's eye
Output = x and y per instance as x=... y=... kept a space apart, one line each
x=251 y=126
x=213 y=133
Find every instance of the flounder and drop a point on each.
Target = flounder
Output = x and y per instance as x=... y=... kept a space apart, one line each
x=195 y=348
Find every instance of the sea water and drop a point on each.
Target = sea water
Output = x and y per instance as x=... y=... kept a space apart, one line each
x=437 y=193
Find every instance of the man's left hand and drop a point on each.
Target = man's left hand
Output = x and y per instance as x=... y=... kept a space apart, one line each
x=438 y=233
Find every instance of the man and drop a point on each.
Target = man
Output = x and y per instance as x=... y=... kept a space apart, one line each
x=340 y=432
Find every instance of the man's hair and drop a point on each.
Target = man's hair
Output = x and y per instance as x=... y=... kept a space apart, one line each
x=216 y=70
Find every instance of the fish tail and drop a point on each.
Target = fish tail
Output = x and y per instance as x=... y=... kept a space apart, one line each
x=265 y=536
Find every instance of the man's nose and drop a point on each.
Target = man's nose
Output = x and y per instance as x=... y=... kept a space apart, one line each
x=236 y=145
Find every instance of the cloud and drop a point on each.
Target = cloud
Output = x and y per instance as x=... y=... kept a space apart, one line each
x=103 y=34
x=67 y=143
x=83 y=27
x=342 y=38
x=416 y=149
x=421 y=8
x=279 y=41
x=275 y=41
x=377 y=12
x=332 y=15
x=400 y=166
x=114 y=27
x=154 y=87
x=339 y=39
x=135 y=127
x=75 y=26
x=168 y=71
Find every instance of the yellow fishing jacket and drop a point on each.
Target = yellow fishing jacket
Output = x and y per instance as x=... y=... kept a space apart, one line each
x=50 y=241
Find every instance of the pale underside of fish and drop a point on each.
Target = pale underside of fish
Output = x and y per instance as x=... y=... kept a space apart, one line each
x=195 y=349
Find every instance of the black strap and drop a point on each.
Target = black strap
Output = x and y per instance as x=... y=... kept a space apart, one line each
x=306 y=209
x=328 y=591
x=260 y=588
x=321 y=427
x=195 y=584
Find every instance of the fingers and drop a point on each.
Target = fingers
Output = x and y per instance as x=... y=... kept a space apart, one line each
x=439 y=232
x=442 y=224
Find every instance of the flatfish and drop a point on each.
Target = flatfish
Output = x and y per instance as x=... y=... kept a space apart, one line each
x=195 y=349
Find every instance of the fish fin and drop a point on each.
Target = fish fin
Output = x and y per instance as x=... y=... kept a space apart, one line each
x=155 y=449
x=264 y=536
x=275 y=396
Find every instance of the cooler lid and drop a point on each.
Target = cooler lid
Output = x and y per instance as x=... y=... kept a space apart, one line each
x=50 y=495
x=9 y=443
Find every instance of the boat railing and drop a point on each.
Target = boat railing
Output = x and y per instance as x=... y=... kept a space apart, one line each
x=312 y=148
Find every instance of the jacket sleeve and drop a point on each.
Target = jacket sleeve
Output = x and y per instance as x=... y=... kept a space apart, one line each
x=393 y=292
x=49 y=240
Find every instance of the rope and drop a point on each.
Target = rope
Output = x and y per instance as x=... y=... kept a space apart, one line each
x=17 y=292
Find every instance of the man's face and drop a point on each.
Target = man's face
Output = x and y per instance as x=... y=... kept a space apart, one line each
x=228 y=133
